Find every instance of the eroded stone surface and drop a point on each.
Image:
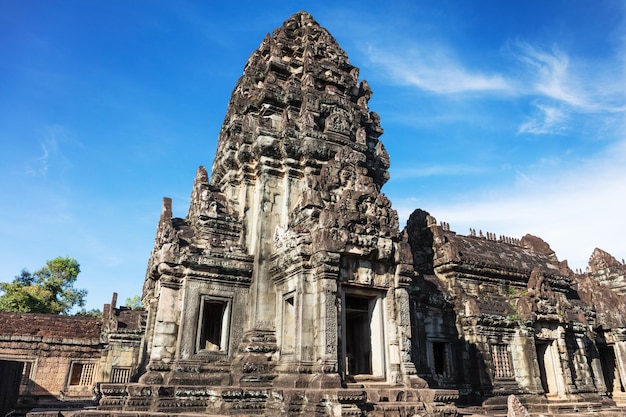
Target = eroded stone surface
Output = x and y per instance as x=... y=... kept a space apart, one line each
x=512 y=319
x=288 y=289
x=286 y=286
x=62 y=357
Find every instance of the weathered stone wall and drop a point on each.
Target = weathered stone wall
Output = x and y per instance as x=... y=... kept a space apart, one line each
x=527 y=324
x=49 y=344
x=289 y=289
x=122 y=345
x=288 y=273
x=64 y=357
x=608 y=271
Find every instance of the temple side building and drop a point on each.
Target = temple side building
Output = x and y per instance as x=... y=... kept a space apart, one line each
x=56 y=361
x=496 y=316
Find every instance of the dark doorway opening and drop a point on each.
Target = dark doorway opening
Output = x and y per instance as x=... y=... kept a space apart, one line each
x=440 y=358
x=610 y=370
x=213 y=313
x=358 y=335
x=542 y=348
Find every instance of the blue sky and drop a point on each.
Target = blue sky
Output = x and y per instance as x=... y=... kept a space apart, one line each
x=507 y=117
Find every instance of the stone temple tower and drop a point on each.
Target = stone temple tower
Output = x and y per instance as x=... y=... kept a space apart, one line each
x=288 y=289
x=284 y=290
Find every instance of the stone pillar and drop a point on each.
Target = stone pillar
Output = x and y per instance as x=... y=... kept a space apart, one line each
x=165 y=334
x=307 y=313
x=584 y=380
x=565 y=384
x=328 y=320
x=151 y=303
x=620 y=353
x=524 y=354
x=407 y=368
x=166 y=324
x=418 y=337
x=600 y=384
x=260 y=228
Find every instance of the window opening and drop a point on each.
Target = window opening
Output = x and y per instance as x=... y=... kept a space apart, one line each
x=120 y=375
x=441 y=363
x=549 y=368
x=610 y=370
x=541 y=352
x=501 y=361
x=289 y=324
x=82 y=374
x=213 y=326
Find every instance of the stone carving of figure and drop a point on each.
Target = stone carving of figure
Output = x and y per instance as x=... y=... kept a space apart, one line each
x=362 y=102
x=270 y=78
x=335 y=123
x=284 y=237
x=347 y=177
x=308 y=81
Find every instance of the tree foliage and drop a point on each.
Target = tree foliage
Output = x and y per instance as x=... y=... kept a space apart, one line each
x=94 y=312
x=48 y=290
x=134 y=302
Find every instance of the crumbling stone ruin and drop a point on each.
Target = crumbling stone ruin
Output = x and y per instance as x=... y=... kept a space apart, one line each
x=496 y=316
x=55 y=361
x=285 y=289
x=289 y=289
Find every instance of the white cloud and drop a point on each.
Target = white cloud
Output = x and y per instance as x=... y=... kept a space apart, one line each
x=574 y=211
x=435 y=170
x=430 y=68
x=559 y=85
x=39 y=166
x=549 y=75
x=567 y=85
x=548 y=120
x=53 y=138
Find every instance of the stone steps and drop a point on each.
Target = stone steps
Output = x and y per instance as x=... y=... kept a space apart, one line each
x=540 y=406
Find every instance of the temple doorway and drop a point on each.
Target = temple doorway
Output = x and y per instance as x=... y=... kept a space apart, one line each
x=358 y=336
x=363 y=337
x=549 y=367
x=610 y=370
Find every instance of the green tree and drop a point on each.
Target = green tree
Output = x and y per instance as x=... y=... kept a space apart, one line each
x=47 y=290
x=94 y=312
x=134 y=302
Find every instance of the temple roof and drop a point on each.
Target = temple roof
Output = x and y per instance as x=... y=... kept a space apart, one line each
x=501 y=255
x=297 y=103
x=48 y=326
x=437 y=246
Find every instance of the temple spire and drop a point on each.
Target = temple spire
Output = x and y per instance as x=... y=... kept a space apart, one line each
x=297 y=103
